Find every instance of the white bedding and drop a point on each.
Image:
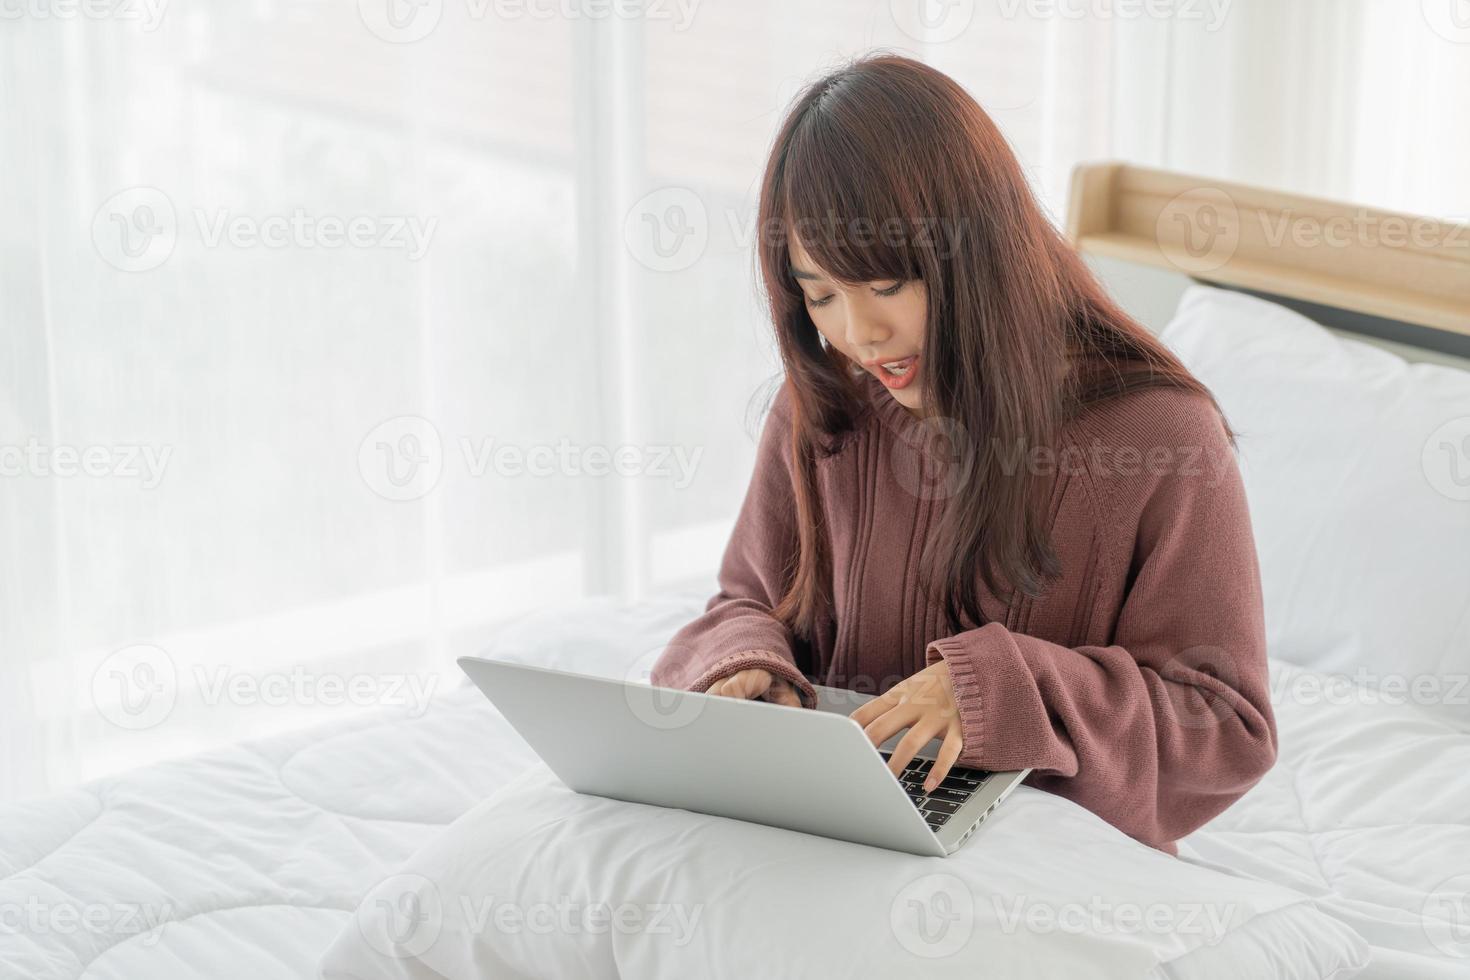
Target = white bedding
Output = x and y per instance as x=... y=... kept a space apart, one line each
x=252 y=860
x=248 y=860
x=529 y=884
x=1368 y=811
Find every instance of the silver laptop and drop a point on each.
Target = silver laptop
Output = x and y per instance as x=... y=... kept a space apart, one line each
x=810 y=771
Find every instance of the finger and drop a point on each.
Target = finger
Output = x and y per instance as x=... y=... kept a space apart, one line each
x=782 y=692
x=943 y=762
x=746 y=684
x=890 y=723
x=726 y=687
x=754 y=683
x=864 y=713
x=918 y=736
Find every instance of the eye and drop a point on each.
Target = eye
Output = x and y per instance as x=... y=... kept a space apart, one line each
x=889 y=290
x=814 y=303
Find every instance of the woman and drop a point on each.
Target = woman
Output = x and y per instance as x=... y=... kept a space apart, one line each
x=983 y=491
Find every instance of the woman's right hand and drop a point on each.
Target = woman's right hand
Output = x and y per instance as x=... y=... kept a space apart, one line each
x=756 y=682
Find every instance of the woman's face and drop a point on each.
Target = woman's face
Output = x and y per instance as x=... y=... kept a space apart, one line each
x=878 y=325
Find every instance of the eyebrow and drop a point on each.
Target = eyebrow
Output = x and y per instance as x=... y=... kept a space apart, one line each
x=803 y=274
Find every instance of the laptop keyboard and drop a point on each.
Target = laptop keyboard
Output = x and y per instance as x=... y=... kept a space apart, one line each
x=956 y=787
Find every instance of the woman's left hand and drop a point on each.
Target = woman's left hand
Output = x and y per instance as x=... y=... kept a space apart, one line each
x=925 y=705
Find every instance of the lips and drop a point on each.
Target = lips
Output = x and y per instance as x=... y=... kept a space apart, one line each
x=895 y=374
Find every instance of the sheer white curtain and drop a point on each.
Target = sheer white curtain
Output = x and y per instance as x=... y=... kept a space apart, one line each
x=335 y=332
x=1356 y=100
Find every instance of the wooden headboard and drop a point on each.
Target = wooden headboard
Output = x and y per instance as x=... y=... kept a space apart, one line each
x=1368 y=264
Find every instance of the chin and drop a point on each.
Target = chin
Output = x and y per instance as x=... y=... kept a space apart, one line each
x=910 y=398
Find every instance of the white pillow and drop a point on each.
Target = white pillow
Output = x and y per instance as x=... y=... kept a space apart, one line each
x=1357 y=466
x=538 y=881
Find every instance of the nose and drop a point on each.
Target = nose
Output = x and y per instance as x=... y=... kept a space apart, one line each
x=866 y=327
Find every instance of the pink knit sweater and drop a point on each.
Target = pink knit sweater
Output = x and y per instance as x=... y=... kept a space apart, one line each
x=1135 y=686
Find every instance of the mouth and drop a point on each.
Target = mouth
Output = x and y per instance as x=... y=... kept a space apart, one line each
x=895 y=374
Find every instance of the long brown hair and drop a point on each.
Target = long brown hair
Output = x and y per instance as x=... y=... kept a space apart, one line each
x=886 y=169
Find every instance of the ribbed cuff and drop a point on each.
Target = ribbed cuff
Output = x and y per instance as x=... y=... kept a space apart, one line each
x=764 y=659
x=1004 y=719
x=969 y=691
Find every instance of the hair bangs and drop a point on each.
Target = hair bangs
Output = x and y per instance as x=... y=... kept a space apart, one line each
x=851 y=218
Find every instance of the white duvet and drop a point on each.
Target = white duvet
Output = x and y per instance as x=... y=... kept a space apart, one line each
x=539 y=881
x=250 y=862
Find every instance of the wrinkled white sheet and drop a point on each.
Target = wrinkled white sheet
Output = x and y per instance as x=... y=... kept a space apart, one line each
x=539 y=881
x=247 y=863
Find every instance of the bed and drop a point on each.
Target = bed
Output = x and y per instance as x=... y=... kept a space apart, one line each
x=256 y=861
x=249 y=862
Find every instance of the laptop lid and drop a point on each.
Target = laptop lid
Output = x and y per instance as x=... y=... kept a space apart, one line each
x=810 y=771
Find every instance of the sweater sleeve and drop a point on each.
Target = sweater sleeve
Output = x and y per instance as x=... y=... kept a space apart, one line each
x=738 y=629
x=1163 y=729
